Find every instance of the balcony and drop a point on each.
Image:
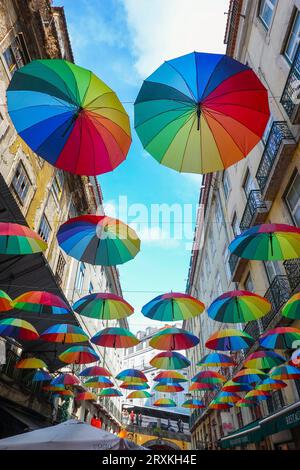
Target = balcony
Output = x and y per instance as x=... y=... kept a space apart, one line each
x=290 y=96
x=275 y=158
x=252 y=328
x=278 y=293
x=292 y=269
x=163 y=433
x=255 y=212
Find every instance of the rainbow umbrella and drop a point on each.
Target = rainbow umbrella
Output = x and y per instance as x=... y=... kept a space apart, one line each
x=132 y=374
x=18 y=329
x=41 y=302
x=93 y=371
x=31 y=363
x=168 y=388
x=295 y=358
x=110 y=392
x=65 y=379
x=202 y=386
x=238 y=306
x=285 y=372
x=170 y=375
x=64 y=333
x=139 y=394
x=270 y=385
x=103 y=306
x=292 y=307
x=231 y=386
x=170 y=360
x=5 y=302
x=257 y=395
x=41 y=376
x=209 y=376
x=79 y=355
x=229 y=340
x=282 y=337
x=18 y=239
x=69 y=117
x=263 y=360
x=135 y=385
x=215 y=405
x=170 y=339
x=193 y=403
x=173 y=306
x=84 y=396
x=246 y=403
x=99 y=382
x=227 y=397
x=53 y=388
x=200 y=113
x=115 y=337
x=65 y=393
x=98 y=240
x=249 y=376
x=216 y=360
x=268 y=242
x=165 y=403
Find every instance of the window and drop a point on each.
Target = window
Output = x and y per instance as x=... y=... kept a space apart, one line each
x=266 y=11
x=60 y=268
x=226 y=184
x=235 y=225
x=212 y=242
x=16 y=55
x=219 y=214
x=293 y=40
x=272 y=269
x=21 y=182
x=249 y=283
x=267 y=130
x=57 y=186
x=80 y=277
x=45 y=228
x=226 y=255
x=249 y=184
x=91 y=288
x=292 y=199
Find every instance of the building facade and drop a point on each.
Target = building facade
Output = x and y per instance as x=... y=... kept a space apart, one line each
x=262 y=188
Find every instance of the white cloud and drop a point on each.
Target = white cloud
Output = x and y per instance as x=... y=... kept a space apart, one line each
x=165 y=29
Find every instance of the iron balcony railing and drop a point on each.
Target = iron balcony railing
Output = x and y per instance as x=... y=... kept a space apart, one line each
x=290 y=95
x=278 y=293
x=278 y=134
x=292 y=269
x=255 y=204
x=233 y=261
x=253 y=329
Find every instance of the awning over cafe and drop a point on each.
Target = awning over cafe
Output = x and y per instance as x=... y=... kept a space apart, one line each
x=246 y=435
x=286 y=418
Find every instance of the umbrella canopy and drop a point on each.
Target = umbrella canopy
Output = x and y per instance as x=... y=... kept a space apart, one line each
x=280 y=338
x=229 y=340
x=285 y=372
x=215 y=405
x=41 y=302
x=69 y=117
x=170 y=339
x=238 y=306
x=243 y=403
x=173 y=306
x=53 y=388
x=257 y=395
x=18 y=239
x=128 y=374
x=65 y=379
x=5 y=302
x=193 y=403
x=268 y=242
x=93 y=371
x=216 y=360
x=232 y=386
x=263 y=360
x=85 y=396
x=164 y=403
x=170 y=375
x=202 y=386
x=98 y=382
x=292 y=307
x=79 y=355
x=98 y=240
x=209 y=376
x=295 y=358
x=64 y=333
x=227 y=397
x=20 y=330
x=115 y=337
x=41 y=376
x=200 y=113
x=170 y=360
x=31 y=363
x=139 y=394
x=249 y=376
x=270 y=385
x=172 y=388
x=110 y=392
x=66 y=393
x=104 y=306
x=134 y=386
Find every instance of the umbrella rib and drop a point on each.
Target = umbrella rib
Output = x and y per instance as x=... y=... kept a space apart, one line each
x=244 y=90
x=214 y=71
x=88 y=86
x=187 y=140
x=179 y=73
x=61 y=80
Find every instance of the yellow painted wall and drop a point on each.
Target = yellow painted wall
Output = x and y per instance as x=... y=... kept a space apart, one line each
x=141 y=439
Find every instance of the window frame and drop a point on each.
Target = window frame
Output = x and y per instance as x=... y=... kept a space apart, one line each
x=226 y=184
x=23 y=173
x=295 y=174
x=80 y=277
x=261 y=7
x=295 y=17
x=44 y=234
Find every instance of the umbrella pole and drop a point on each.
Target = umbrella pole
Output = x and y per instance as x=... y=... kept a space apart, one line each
x=271 y=244
x=198 y=116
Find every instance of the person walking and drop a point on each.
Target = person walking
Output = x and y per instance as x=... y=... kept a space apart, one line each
x=140 y=419
x=179 y=425
x=132 y=417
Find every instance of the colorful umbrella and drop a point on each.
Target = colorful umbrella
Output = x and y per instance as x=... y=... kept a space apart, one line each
x=110 y=392
x=227 y=397
x=65 y=379
x=292 y=308
x=200 y=112
x=170 y=339
x=18 y=239
x=193 y=403
x=93 y=371
x=238 y=306
x=263 y=360
x=41 y=302
x=280 y=338
x=246 y=403
x=53 y=388
x=295 y=358
x=173 y=306
x=98 y=382
x=165 y=403
x=270 y=385
x=170 y=360
x=170 y=375
x=209 y=376
x=31 y=363
x=257 y=395
x=229 y=340
x=98 y=240
x=103 y=306
x=86 y=396
x=231 y=386
x=66 y=393
x=171 y=388
x=41 y=376
x=79 y=355
x=268 y=242
x=128 y=374
x=64 y=333
x=139 y=394
x=69 y=117
x=216 y=360
x=202 y=386
x=115 y=337
x=5 y=302
x=220 y=406
x=249 y=376
x=285 y=372
x=18 y=329
x=135 y=385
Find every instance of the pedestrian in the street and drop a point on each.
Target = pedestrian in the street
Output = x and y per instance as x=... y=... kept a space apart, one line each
x=179 y=425
x=95 y=421
x=169 y=423
x=132 y=417
x=140 y=420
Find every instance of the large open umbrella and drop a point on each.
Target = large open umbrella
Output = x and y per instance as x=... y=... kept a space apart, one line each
x=170 y=360
x=292 y=307
x=18 y=329
x=134 y=385
x=31 y=363
x=232 y=386
x=268 y=242
x=285 y=372
x=171 y=376
x=249 y=376
x=193 y=403
x=79 y=355
x=69 y=117
x=104 y=306
x=243 y=403
x=227 y=397
x=280 y=338
x=171 y=388
x=209 y=376
x=110 y=392
x=115 y=337
x=215 y=405
x=229 y=340
x=173 y=306
x=134 y=374
x=5 y=302
x=200 y=113
x=271 y=385
x=202 y=386
x=16 y=239
x=170 y=339
x=98 y=382
x=216 y=360
x=165 y=403
x=41 y=302
x=85 y=396
x=263 y=360
x=41 y=376
x=98 y=240
x=139 y=394
x=238 y=307
x=93 y=371
x=65 y=379
x=64 y=333
x=257 y=395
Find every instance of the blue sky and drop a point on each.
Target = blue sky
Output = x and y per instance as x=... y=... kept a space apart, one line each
x=124 y=41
